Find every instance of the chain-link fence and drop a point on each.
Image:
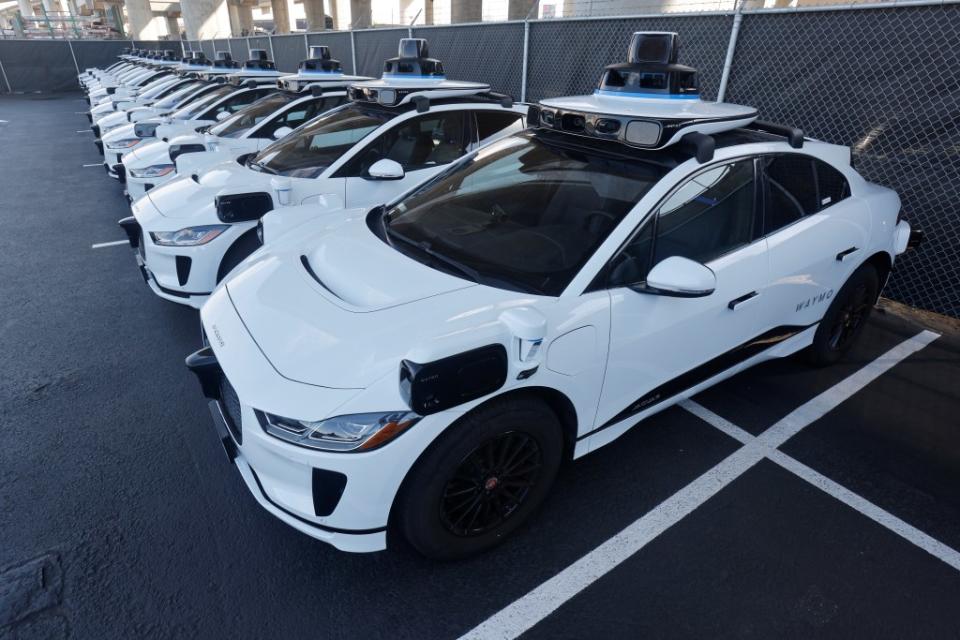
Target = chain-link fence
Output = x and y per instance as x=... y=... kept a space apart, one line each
x=882 y=79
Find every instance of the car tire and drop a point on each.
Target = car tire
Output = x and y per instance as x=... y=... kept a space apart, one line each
x=481 y=479
x=845 y=317
x=243 y=247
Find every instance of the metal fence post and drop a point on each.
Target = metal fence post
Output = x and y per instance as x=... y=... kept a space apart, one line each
x=731 y=47
x=273 y=56
x=526 y=55
x=74 y=56
x=6 y=80
x=353 y=52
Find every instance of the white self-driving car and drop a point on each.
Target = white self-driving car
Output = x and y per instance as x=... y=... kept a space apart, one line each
x=239 y=90
x=201 y=82
x=155 y=66
x=427 y=364
x=319 y=85
x=183 y=74
x=393 y=134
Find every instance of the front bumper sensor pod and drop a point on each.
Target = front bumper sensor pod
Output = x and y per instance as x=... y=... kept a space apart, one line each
x=131 y=227
x=204 y=365
x=916 y=238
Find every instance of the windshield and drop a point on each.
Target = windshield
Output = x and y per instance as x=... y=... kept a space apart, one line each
x=525 y=213
x=242 y=120
x=156 y=86
x=171 y=100
x=312 y=148
x=193 y=107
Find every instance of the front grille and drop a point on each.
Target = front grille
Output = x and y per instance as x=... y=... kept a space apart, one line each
x=231 y=407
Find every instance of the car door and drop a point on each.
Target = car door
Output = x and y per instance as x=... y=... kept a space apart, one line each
x=816 y=234
x=422 y=145
x=662 y=345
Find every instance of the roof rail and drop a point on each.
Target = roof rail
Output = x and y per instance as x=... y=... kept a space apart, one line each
x=793 y=135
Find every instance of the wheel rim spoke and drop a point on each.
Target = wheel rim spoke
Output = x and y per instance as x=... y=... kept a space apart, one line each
x=490 y=484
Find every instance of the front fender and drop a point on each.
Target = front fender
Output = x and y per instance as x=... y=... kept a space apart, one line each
x=284 y=219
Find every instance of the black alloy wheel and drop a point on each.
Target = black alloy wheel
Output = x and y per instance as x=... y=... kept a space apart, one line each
x=850 y=319
x=490 y=484
x=846 y=317
x=481 y=479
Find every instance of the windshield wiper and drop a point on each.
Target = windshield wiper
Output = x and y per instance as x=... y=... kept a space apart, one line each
x=262 y=167
x=427 y=248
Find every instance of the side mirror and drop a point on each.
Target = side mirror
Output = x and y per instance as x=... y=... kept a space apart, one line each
x=385 y=169
x=282 y=132
x=223 y=115
x=681 y=278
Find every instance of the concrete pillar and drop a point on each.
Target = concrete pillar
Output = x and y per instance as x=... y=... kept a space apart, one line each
x=361 y=14
x=143 y=24
x=281 y=16
x=316 y=18
x=173 y=27
x=205 y=19
x=466 y=11
x=518 y=9
x=26 y=7
x=332 y=11
x=241 y=18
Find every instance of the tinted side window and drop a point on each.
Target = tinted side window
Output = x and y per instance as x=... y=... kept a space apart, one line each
x=426 y=141
x=831 y=185
x=790 y=191
x=632 y=263
x=708 y=216
x=491 y=123
x=299 y=114
x=237 y=102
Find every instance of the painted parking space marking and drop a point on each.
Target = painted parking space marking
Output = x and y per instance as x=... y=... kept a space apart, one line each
x=95 y=164
x=526 y=612
x=84 y=130
x=113 y=243
x=882 y=517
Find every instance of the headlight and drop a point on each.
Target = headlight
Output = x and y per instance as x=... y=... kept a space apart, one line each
x=154 y=171
x=358 y=432
x=124 y=143
x=189 y=237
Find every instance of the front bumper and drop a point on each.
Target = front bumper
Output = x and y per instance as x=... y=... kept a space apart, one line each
x=303 y=488
x=138 y=187
x=185 y=275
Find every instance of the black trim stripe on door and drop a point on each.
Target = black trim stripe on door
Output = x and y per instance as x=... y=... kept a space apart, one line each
x=705 y=371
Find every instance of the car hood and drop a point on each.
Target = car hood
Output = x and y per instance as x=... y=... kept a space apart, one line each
x=121 y=132
x=332 y=305
x=102 y=109
x=112 y=119
x=148 y=154
x=188 y=196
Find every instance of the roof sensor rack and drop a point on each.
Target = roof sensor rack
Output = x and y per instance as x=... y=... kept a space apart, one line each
x=320 y=62
x=649 y=102
x=412 y=76
x=793 y=135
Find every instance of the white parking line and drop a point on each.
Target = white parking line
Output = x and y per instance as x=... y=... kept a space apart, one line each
x=95 y=164
x=113 y=243
x=84 y=130
x=536 y=605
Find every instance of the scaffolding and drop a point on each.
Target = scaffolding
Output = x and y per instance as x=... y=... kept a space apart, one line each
x=67 y=24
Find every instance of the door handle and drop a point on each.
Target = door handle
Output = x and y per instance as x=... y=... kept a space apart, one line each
x=846 y=252
x=733 y=304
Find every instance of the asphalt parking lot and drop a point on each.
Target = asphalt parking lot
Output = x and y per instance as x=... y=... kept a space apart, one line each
x=787 y=501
